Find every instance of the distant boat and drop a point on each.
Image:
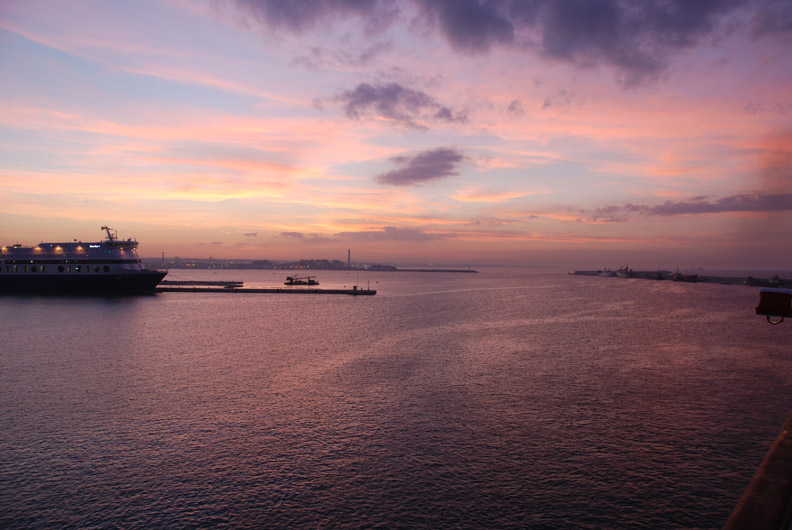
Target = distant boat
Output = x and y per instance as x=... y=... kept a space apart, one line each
x=300 y=280
x=607 y=273
x=624 y=272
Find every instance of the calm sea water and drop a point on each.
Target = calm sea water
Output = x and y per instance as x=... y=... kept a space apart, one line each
x=502 y=399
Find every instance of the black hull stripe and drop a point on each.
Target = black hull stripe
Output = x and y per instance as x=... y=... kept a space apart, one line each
x=145 y=281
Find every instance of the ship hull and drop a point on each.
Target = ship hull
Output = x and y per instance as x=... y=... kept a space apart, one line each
x=144 y=281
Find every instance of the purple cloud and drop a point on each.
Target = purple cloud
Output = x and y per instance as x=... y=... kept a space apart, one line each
x=469 y=25
x=426 y=166
x=735 y=203
x=636 y=38
x=397 y=103
x=754 y=202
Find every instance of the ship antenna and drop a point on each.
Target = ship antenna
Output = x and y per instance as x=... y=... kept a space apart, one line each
x=109 y=235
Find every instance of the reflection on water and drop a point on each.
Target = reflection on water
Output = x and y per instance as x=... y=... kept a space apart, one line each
x=500 y=399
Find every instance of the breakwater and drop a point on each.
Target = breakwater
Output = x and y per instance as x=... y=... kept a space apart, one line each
x=775 y=281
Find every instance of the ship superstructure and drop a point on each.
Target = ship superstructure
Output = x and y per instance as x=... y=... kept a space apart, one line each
x=111 y=265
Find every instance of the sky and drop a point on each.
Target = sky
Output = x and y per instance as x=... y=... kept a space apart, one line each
x=574 y=133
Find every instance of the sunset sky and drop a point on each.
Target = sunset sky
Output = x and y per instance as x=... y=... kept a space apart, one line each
x=580 y=133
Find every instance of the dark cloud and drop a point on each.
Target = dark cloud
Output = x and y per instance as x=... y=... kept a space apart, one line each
x=251 y=234
x=426 y=166
x=638 y=38
x=754 y=202
x=397 y=103
x=470 y=25
x=294 y=235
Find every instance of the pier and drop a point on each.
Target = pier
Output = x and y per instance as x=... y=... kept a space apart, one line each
x=195 y=283
x=236 y=287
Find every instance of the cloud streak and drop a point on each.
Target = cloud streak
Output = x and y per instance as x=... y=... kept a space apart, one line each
x=756 y=202
x=391 y=233
x=386 y=233
x=426 y=166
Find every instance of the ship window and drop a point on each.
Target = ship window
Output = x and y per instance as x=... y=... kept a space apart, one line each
x=68 y=268
x=77 y=268
x=96 y=268
x=33 y=269
x=16 y=268
x=60 y=268
x=24 y=268
x=43 y=268
x=106 y=268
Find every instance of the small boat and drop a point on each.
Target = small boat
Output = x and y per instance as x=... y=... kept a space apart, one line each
x=624 y=272
x=301 y=280
x=607 y=273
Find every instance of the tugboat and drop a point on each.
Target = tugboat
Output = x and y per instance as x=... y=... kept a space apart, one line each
x=301 y=280
x=109 y=266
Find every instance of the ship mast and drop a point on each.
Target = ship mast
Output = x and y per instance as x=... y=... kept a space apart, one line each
x=110 y=236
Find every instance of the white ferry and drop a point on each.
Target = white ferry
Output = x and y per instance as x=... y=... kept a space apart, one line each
x=109 y=266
